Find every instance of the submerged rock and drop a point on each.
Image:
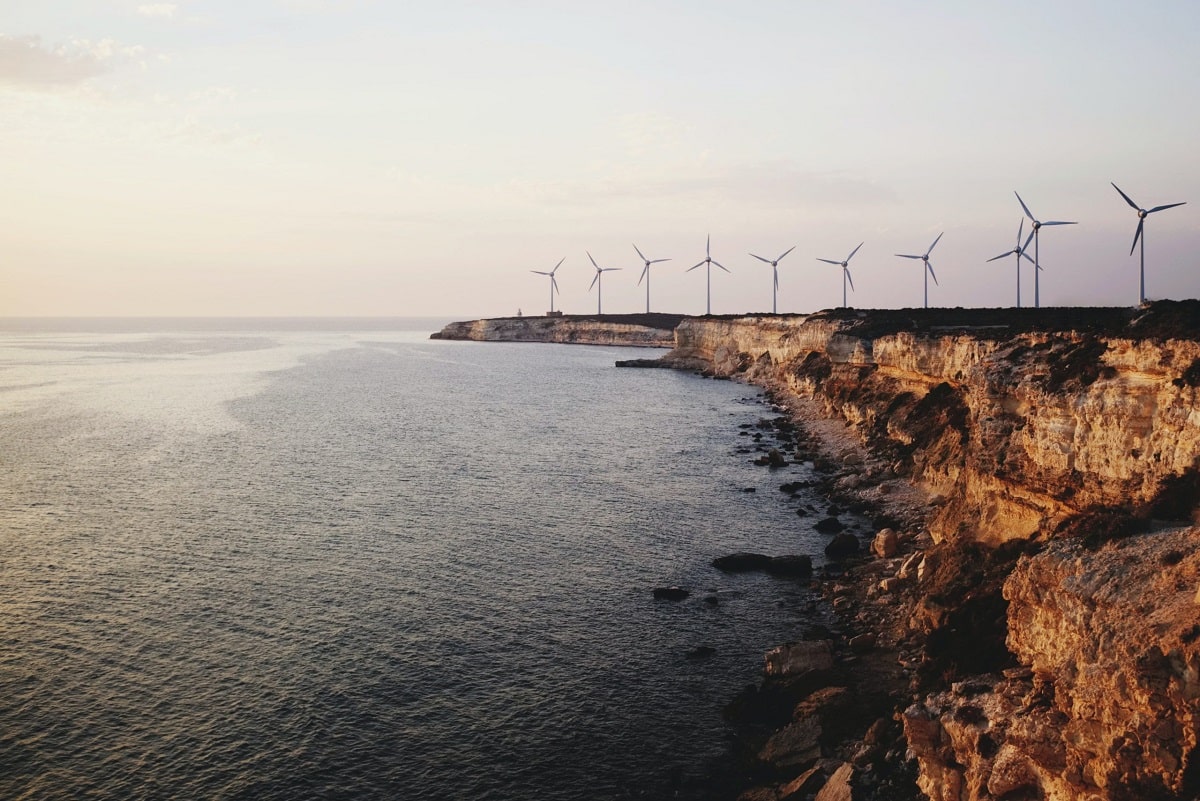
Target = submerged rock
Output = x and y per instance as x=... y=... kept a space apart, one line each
x=670 y=593
x=797 y=658
x=829 y=525
x=793 y=566
x=842 y=546
x=741 y=562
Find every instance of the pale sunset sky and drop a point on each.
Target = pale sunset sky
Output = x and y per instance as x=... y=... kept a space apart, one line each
x=314 y=157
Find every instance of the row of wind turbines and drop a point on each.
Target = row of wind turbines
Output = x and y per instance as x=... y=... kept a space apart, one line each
x=1020 y=251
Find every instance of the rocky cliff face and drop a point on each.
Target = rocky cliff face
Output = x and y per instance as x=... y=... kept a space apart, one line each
x=1019 y=430
x=1064 y=438
x=634 y=330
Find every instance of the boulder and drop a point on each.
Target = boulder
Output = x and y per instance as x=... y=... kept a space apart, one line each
x=886 y=544
x=741 y=562
x=829 y=525
x=795 y=745
x=670 y=593
x=838 y=787
x=842 y=546
x=796 y=658
x=793 y=566
x=803 y=786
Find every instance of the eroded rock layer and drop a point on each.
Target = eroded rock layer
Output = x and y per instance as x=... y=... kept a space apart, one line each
x=629 y=330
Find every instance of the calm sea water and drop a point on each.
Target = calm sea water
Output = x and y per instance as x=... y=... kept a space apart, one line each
x=285 y=564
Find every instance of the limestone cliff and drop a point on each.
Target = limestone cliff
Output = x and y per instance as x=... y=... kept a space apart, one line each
x=630 y=330
x=1067 y=434
x=1019 y=420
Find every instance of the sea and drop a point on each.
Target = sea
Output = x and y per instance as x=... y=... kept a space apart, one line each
x=335 y=559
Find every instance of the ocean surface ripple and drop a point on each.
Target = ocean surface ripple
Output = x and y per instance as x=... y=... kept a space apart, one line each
x=287 y=565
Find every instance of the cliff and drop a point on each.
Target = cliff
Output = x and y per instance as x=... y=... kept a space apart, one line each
x=627 y=330
x=1043 y=607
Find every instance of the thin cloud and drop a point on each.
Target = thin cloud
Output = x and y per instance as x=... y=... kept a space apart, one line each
x=25 y=62
x=160 y=10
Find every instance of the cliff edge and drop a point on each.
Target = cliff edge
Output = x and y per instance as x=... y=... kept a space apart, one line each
x=625 y=330
x=1033 y=632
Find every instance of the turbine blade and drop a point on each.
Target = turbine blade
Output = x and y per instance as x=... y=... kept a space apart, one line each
x=656 y=261
x=1128 y=200
x=831 y=261
x=760 y=258
x=776 y=279
x=597 y=266
x=851 y=256
x=931 y=272
x=560 y=261
x=610 y=269
x=594 y=280
x=931 y=247
x=1027 y=258
x=1059 y=222
x=906 y=256
x=722 y=266
x=1168 y=206
x=1137 y=235
x=541 y=272
x=707 y=245
x=645 y=270
x=635 y=247
x=689 y=269
x=789 y=250
x=554 y=283
x=1028 y=213
x=1002 y=255
x=1029 y=239
x=1020 y=231
x=849 y=277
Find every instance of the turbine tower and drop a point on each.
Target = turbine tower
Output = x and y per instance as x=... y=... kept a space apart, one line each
x=1037 y=267
x=928 y=271
x=709 y=261
x=1142 y=214
x=1018 y=251
x=596 y=281
x=553 y=281
x=845 y=265
x=646 y=274
x=775 y=272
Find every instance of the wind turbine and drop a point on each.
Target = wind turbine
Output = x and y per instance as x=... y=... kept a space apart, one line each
x=710 y=261
x=596 y=281
x=1142 y=214
x=1037 y=267
x=928 y=271
x=553 y=281
x=1018 y=251
x=646 y=274
x=845 y=265
x=775 y=272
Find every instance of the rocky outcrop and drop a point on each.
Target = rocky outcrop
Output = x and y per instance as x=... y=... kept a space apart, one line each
x=1048 y=629
x=1020 y=421
x=629 y=330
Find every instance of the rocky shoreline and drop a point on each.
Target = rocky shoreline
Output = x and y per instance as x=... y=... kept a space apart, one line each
x=1022 y=623
x=972 y=654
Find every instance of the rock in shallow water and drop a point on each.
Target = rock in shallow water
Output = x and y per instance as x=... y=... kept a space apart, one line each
x=670 y=593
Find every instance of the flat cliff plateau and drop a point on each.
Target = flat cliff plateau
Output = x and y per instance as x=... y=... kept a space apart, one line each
x=626 y=330
x=1030 y=628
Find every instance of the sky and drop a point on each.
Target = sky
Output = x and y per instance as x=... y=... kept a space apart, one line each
x=394 y=158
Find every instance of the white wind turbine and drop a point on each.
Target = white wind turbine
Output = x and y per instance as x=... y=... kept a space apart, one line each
x=845 y=265
x=1037 y=267
x=646 y=274
x=553 y=281
x=596 y=281
x=928 y=271
x=775 y=273
x=709 y=261
x=1019 y=252
x=1142 y=214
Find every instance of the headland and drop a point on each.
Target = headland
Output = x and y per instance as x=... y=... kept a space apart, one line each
x=1025 y=621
